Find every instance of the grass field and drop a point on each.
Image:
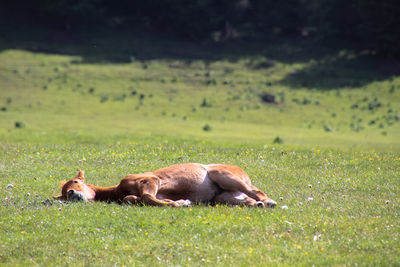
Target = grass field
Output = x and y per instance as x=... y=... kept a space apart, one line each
x=329 y=150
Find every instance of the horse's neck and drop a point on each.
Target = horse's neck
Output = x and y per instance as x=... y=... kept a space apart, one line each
x=105 y=193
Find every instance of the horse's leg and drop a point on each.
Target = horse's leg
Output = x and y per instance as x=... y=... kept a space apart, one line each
x=131 y=199
x=236 y=198
x=148 y=188
x=232 y=182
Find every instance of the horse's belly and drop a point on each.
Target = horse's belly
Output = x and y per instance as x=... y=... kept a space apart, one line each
x=204 y=191
x=200 y=189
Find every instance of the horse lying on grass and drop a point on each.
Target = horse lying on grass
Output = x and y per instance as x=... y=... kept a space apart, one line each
x=177 y=185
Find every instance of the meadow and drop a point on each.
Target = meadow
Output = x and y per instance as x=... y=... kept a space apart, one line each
x=327 y=150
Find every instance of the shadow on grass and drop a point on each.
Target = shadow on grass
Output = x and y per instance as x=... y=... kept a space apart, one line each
x=327 y=68
x=344 y=69
x=124 y=46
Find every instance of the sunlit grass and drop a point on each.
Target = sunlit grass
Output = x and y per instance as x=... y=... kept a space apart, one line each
x=341 y=207
x=50 y=93
x=335 y=175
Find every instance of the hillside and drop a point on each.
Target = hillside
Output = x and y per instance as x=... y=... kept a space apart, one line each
x=72 y=89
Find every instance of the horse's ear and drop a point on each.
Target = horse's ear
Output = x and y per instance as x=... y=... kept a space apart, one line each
x=60 y=197
x=62 y=183
x=81 y=175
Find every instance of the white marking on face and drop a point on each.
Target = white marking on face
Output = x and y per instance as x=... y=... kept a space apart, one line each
x=76 y=196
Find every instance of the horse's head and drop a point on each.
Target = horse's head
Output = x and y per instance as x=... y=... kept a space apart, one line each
x=76 y=189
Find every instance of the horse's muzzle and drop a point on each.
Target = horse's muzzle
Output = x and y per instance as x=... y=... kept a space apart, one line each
x=73 y=195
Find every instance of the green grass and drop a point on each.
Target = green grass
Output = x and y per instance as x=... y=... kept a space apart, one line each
x=84 y=110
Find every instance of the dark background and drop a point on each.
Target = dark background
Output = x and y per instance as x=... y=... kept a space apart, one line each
x=361 y=24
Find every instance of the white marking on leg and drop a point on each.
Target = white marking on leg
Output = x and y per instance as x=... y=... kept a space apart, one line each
x=240 y=195
x=187 y=203
x=184 y=202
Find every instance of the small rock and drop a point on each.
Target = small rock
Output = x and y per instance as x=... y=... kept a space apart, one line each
x=10 y=186
x=47 y=202
x=268 y=98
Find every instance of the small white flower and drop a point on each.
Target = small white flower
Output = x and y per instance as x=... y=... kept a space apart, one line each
x=310 y=198
x=309 y=185
x=280 y=198
x=387 y=201
x=284 y=207
x=315 y=238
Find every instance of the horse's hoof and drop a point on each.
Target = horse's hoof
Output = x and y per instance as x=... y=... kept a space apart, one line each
x=259 y=204
x=271 y=204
